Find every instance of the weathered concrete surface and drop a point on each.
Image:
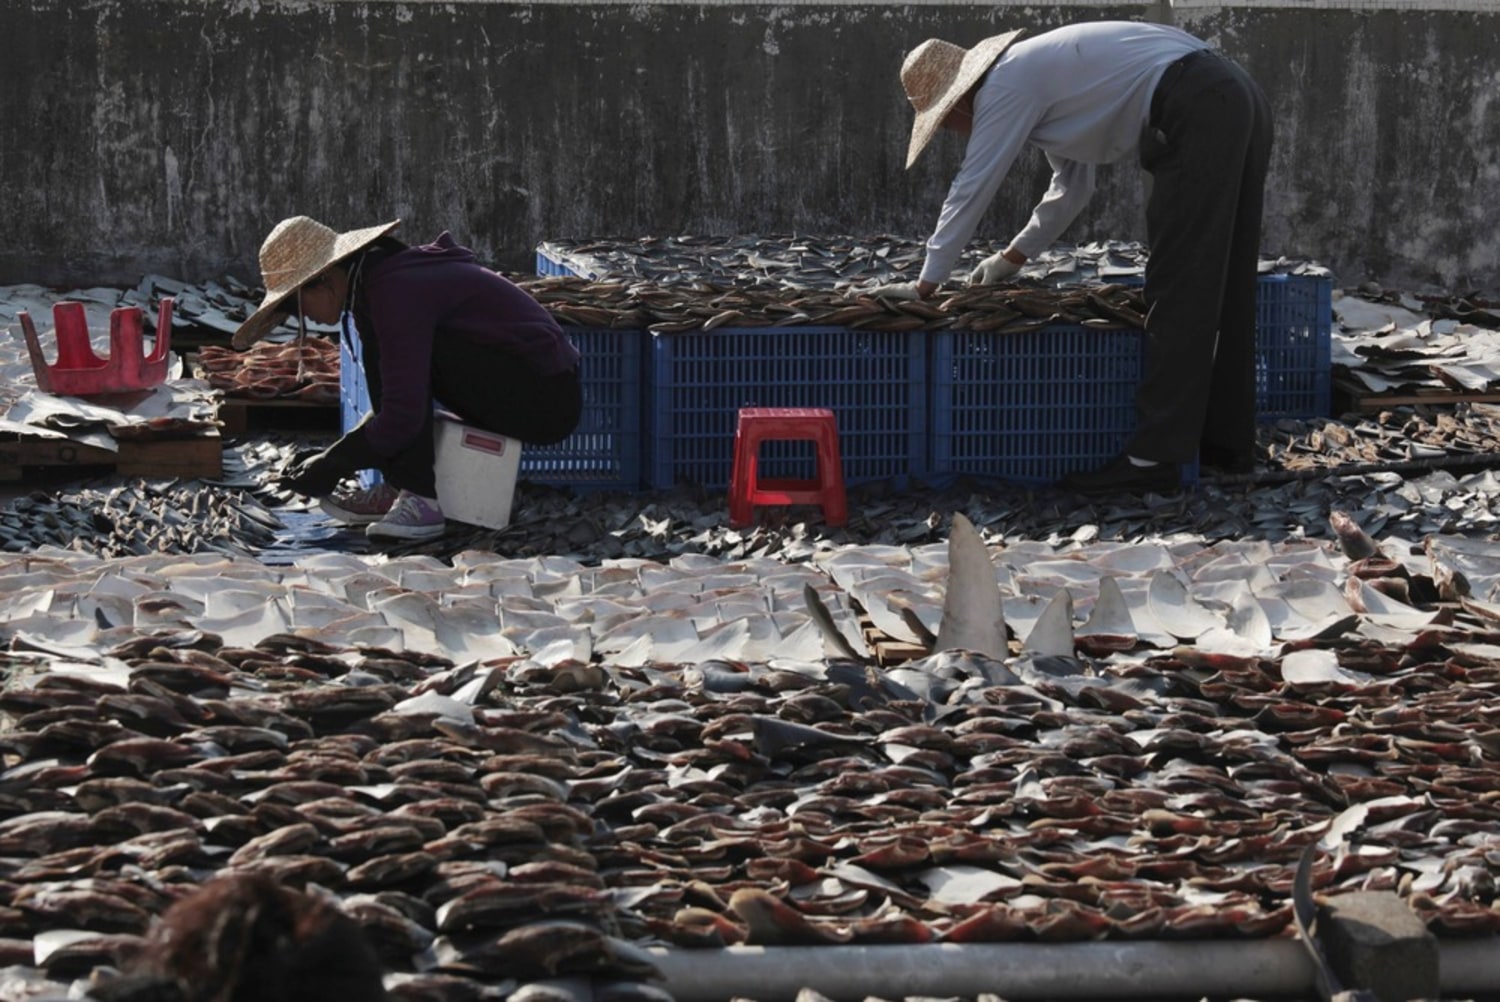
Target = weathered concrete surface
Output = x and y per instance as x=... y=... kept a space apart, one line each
x=170 y=135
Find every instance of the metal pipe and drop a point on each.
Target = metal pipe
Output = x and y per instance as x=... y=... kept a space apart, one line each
x=1470 y=967
x=1189 y=969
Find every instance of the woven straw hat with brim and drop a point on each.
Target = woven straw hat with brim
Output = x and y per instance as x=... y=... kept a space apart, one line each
x=295 y=252
x=936 y=74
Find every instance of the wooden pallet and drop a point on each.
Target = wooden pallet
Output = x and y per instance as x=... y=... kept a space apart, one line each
x=239 y=414
x=200 y=455
x=1353 y=397
x=889 y=651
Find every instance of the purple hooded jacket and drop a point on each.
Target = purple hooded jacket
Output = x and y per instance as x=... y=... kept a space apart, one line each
x=416 y=295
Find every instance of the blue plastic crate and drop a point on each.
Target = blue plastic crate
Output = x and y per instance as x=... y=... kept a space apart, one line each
x=545 y=265
x=354 y=398
x=875 y=382
x=354 y=395
x=604 y=451
x=1293 y=328
x=549 y=263
x=1035 y=405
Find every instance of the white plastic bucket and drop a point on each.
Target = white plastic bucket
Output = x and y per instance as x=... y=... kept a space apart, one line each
x=476 y=473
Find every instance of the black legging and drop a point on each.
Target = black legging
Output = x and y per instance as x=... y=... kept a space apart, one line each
x=1207 y=148
x=486 y=389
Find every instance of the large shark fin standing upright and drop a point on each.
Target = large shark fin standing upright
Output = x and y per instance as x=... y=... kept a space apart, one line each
x=973 y=616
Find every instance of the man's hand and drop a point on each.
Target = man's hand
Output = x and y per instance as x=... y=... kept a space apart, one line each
x=896 y=290
x=996 y=267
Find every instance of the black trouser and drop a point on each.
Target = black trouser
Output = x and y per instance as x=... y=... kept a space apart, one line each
x=1207 y=148
x=486 y=389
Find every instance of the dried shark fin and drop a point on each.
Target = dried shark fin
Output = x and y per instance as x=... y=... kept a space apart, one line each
x=1052 y=633
x=826 y=625
x=1353 y=540
x=1109 y=626
x=973 y=614
x=914 y=623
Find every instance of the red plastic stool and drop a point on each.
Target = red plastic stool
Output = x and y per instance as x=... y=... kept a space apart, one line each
x=81 y=373
x=774 y=424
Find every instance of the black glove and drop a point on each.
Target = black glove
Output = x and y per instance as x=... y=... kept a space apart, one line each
x=320 y=474
x=314 y=477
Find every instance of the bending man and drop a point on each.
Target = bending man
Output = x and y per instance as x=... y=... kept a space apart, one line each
x=1095 y=93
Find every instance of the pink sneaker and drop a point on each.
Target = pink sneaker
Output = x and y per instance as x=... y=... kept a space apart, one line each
x=411 y=517
x=362 y=506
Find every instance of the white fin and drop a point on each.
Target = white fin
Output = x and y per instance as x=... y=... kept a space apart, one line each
x=1178 y=612
x=1111 y=613
x=1053 y=631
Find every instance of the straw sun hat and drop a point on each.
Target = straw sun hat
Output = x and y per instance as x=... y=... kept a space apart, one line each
x=937 y=73
x=297 y=249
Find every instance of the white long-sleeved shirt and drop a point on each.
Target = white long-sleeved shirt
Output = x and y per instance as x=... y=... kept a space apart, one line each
x=1082 y=95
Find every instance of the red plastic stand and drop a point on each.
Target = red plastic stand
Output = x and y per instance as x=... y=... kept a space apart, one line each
x=769 y=424
x=79 y=372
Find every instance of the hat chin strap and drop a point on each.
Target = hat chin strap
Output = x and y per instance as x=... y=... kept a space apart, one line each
x=354 y=273
x=301 y=338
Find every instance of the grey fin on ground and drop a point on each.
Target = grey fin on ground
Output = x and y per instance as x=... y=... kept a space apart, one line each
x=826 y=625
x=973 y=616
x=1052 y=633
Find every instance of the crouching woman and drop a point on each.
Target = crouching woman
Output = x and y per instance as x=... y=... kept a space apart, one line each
x=435 y=327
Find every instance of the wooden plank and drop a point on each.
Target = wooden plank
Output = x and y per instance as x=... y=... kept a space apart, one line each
x=237 y=415
x=52 y=452
x=186 y=458
x=197 y=456
x=889 y=651
x=1361 y=399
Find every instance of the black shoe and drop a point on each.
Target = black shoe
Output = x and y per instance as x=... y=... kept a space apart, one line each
x=1122 y=476
x=1222 y=460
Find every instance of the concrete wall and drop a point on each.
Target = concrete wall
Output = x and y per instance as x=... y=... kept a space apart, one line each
x=168 y=136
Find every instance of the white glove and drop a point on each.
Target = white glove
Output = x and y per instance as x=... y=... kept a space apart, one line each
x=992 y=269
x=895 y=290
